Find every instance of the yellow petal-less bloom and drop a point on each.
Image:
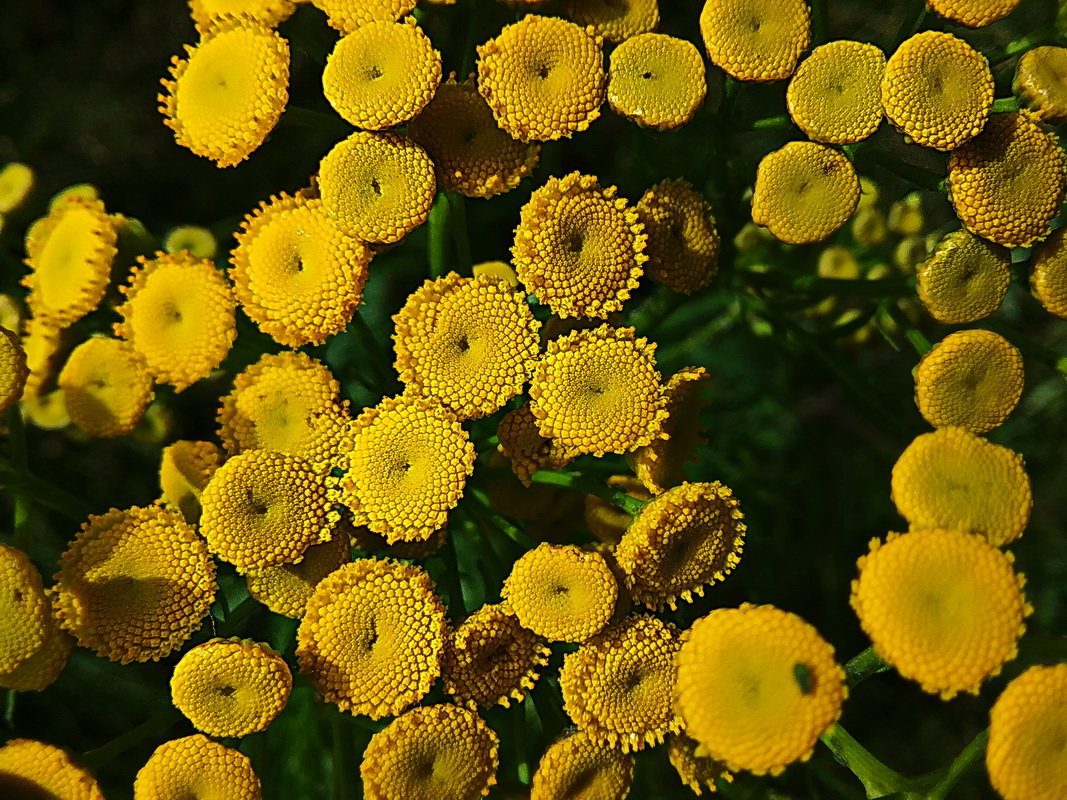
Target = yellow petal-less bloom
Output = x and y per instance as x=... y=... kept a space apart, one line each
x=543 y=77
x=134 y=584
x=804 y=192
x=286 y=589
x=30 y=769
x=372 y=636
x=944 y=607
x=349 y=15
x=377 y=186
x=578 y=767
x=953 y=479
x=525 y=448
x=185 y=468
x=964 y=279
x=230 y=687
x=1008 y=182
x=1041 y=82
x=25 y=618
x=613 y=20
x=269 y=12
x=757 y=686
x=469 y=343
x=193 y=239
x=756 y=40
x=41 y=670
x=659 y=465
x=440 y=751
x=179 y=315
x=972 y=379
x=835 y=96
x=973 y=13
x=683 y=242
x=561 y=592
x=579 y=247
x=13 y=369
x=656 y=80
x=1048 y=278
x=295 y=273
x=698 y=772
x=16 y=183
x=1027 y=725
x=41 y=344
x=382 y=74
x=195 y=766
x=106 y=386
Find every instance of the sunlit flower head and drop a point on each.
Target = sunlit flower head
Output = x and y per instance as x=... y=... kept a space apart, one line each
x=756 y=40
x=579 y=767
x=25 y=614
x=526 y=450
x=973 y=13
x=683 y=242
x=30 y=769
x=349 y=15
x=106 y=386
x=286 y=588
x=964 y=279
x=195 y=766
x=1041 y=82
x=1048 y=278
x=13 y=369
x=659 y=465
x=615 y=21
x=656 y=80
x=835 y=95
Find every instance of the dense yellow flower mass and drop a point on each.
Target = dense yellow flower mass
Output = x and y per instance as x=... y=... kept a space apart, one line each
x=756 y=40
x=195 y=766
x=1048 y=280
x=349 y=15
x=286 y=588
x=185 y=468
x=683 y=242
x=835 y=95
x=526 y=450
x=615 y=21
x=973 y=13
x=13 y=369
x=106 y=386
x=964 y=279
x=578 y=767
x=25 y=617
x=1041 y=82
x=30 y=769
x=656 y=80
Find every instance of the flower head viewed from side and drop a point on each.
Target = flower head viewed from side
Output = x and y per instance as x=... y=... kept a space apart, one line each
x=973 y=13
x=285 y=589
x=1041 y=82
x=696 y=771
x=26 y=619
x=195 y=766
x=1048 y=280
x=615 y=21
x=13 y=369
x=660 y=465
x=185 y=468
x=349 y=15
x=526 y=450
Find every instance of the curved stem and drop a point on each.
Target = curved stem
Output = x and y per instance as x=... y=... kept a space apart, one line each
x=438 y=233
x=584 y=483
x=131 y=738
x=959 y=766
x=878 y=779
x=863 y=666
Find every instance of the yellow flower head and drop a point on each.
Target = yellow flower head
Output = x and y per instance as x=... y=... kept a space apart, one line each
x=579 y=247
x=185 y=468
x=439 y=751
x=16 y=183
x=295 y=274
x=1008 y=183
x=683 y=243
x=698 y=772
x=286 y=589
x=134 y=584
x=835 y=95
x=756 y=40
x=659 y=465
x=41 y=669
x=757 y=686
x=579 y=767
x=656 y=80
x=377 y=186
x=179 y=315
x=1048 y=280
x=13 y=369
x=195 y=766
x=1041 y=82
x=30 y=769
x=953 y=479
x=193 y=239
x=372 y=636
x=41 y=344
x=468 y=343
x=25 y=616
x=526 y=450
x=349 y=15
x=269 y=12
x=973 y=13
x=615 y=21
x=363 y=538
x=964 y=279
x=942 y=606
x=106 y=386
x=543 y=77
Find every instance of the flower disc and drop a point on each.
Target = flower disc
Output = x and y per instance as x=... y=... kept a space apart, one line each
x=196 y=767
x=43 y=668
x=683 y=243
x=614 y=20
x=32 y=770
x=973 y=13
x=656 y=80
x=964 y=279
x=1048 y=280
x=286 y=589
x=106 y=386
x=835 y=95
x=1041 y=82
x=578 y=767
x=756 y=40
x=13 y=369
x=25 y=619
x=349 y=15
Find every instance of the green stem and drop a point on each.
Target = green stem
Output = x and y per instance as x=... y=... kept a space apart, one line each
x=232 y=623
x=914 y=336
x=780 y=122
x=11 y=696
x=517 y=535
x=878 y=779
x=589 y=485
x=457 y=218
x=375 y=354
x=148 y=729
x=959 y=766
x=1005 y=104
x=863 y=666
x=1017 y=46
x=342 y=788
x=16 y=437
x=457 y=605
x=438 y=234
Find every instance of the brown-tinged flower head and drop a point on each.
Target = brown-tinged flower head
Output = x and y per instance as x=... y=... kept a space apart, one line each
x=685 y=539
x=134 y=584
x=440 y=751
x=106 y=386
x=944 y=607
x=349 y=15
x=227 y=95
x=1041 y=82
x=382 y=74
x=543 y=77
x=1008 y=182
x=598 y=391
x=468 y=343
x=683 y=242
x=491 y=659
x=377 y=186
x=835 y=95
x=804 y=192
x=179 y=315
x=526 y=450
x=972 y=379
x=619 y=686
x=659 y=465
x=656 y=80
x=372 y=636
x=408 y=467
x=269 y=12
x=964 y=279
x=756 y=40
x=561 y=592
x=698 y=772
x=757 y=686
x=69 y=253
x=41 y=343
x=579 y=767
x=41 y=669
x=953 y=479
x=614 y=20
x=193 y=239
x=30 y=769
x=579 y=247
x=16 y=183
x=606 y=521
x=471 y=154
x=13 y=369
x=230 y=687
x=295 y=273
x=1026 y=724
x=1048 y=278
x=25 y=616
x=185 y=467
x=973 y=13
x=195 y=766
x=286 y=589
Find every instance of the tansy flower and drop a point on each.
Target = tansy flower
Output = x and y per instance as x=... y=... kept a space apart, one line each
x=659 y=465
x=134 y=584
x=16 y=183
x=526 y=450
x=656 y=80
x=269 y=12
x=371 y=637
x=953 y=479
x=579 y=247
x=561 y=592
x=756 y=40
x=835 y=95
x=228 y=94
x=578 y=767
x=295 y=273
x=440 y=751
x=13 y=369
x=606 y=521
x=1048 y=278
x=195 y=766
x=106 y=386
x=469 y=343
x=348 y=15
x=964 y=279
x=1040 y=82
x=25 y=617
x=179 y=315
x=909 y=252
x=973 y=13
x=363 y=538
x=471 y=155
x=615 y=21
x=185 y=468
x=377 y=186
x=804 y=192
x=193 y=239
x=757 y=686
x=1008 y=183
x=41 y=669
x=1027 y=726
x=543 y=77
x=698 y=772
x=230 y=687
x=382 y=74
x=683 y=243
x=286 y=588
x=41 y=344
x=685 y=539
x=30 y=769
x=971 y=379
x=498 y=270
x=942 y=606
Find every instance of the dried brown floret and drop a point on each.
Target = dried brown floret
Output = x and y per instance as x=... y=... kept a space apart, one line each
x=25 y=618
x=1041 y=82
x=698 y=772
x=13 y=369
x=526 y=450
x=30 y=770
x=197 y=767
x=185 y=467
x=964 y=279
x=615 y=20
x=1008 y=183
x=835 y=95
x=372 y=636
x=543 y=77
x=41 y=670
x=106 y=386
x=804 y=192
x=1048 y=279
x=286 y=589
x=134 y=584
x=756 y=40
x=973 y=13
x=578 y=767
x=348 y=15
x=656 y=80
x=606 y=521
x=683 y=243
x=269 y=12
x=659 y=465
